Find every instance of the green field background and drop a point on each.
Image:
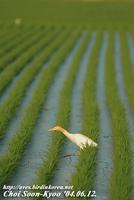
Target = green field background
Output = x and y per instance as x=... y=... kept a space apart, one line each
x=68 y=12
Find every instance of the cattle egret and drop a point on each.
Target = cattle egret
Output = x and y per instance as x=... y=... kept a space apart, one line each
x=79 y=139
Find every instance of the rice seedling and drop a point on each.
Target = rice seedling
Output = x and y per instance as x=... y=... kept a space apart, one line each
x=47 y=169
x=16 y=147
x=3 y=34
x=25 y=53
x=9 y=57
x=130 y=45
x=10 y=105
x=121 y=179
x=7 y=35
x=22 y=37
x=67 y=161
x=104 y=157
x=22 y=62
x=127 y=69
x=83 y=177
x=40 y=137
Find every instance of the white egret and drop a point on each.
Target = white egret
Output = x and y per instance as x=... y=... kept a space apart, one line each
x=79 y=139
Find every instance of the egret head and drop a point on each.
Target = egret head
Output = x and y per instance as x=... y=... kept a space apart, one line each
x=55 y=128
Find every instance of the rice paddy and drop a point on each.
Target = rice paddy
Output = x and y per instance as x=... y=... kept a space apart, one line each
x=75 y=72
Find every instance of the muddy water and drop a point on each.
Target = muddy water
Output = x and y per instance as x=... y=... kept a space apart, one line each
x=122 y=92
x=18 y=117
x=66 y=166
x=25 y=102
x=11 y=84
x=17 y=76
x=104 y=161
x=13 y=81
x=32 y=159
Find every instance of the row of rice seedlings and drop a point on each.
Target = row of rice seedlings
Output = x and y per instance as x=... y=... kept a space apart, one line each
x=10 y=105
x=4 y=32
x=6 y=43
x=10 y=160
x=40 y=141
x=15 y=121
x=66 y=166
x=121 y=179
x=47 y=169
x=130 y=42
x=5 y=26
x=8 y=35
x=127 y=69
x=8 y=74
x=14 y=43
x=12 y=55
x=84 y=175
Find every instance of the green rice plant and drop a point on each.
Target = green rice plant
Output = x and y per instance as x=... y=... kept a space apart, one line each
x=127 y=69
x=83 y=177
x=3 y=33
x=9 y=107
x=7 y=35
x=12 y=55
x=96 y=13
x=7 y=45
x=18 y=40
x=7 y=75
x=121 y=178
x=46 y=170
x=10 y=160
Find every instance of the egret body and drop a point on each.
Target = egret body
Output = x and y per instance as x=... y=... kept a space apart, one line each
x=79 y=139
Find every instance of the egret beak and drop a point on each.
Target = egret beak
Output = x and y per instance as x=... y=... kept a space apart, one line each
x=50 y=129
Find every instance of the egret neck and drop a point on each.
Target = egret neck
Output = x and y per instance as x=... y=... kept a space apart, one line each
x=66 y=133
